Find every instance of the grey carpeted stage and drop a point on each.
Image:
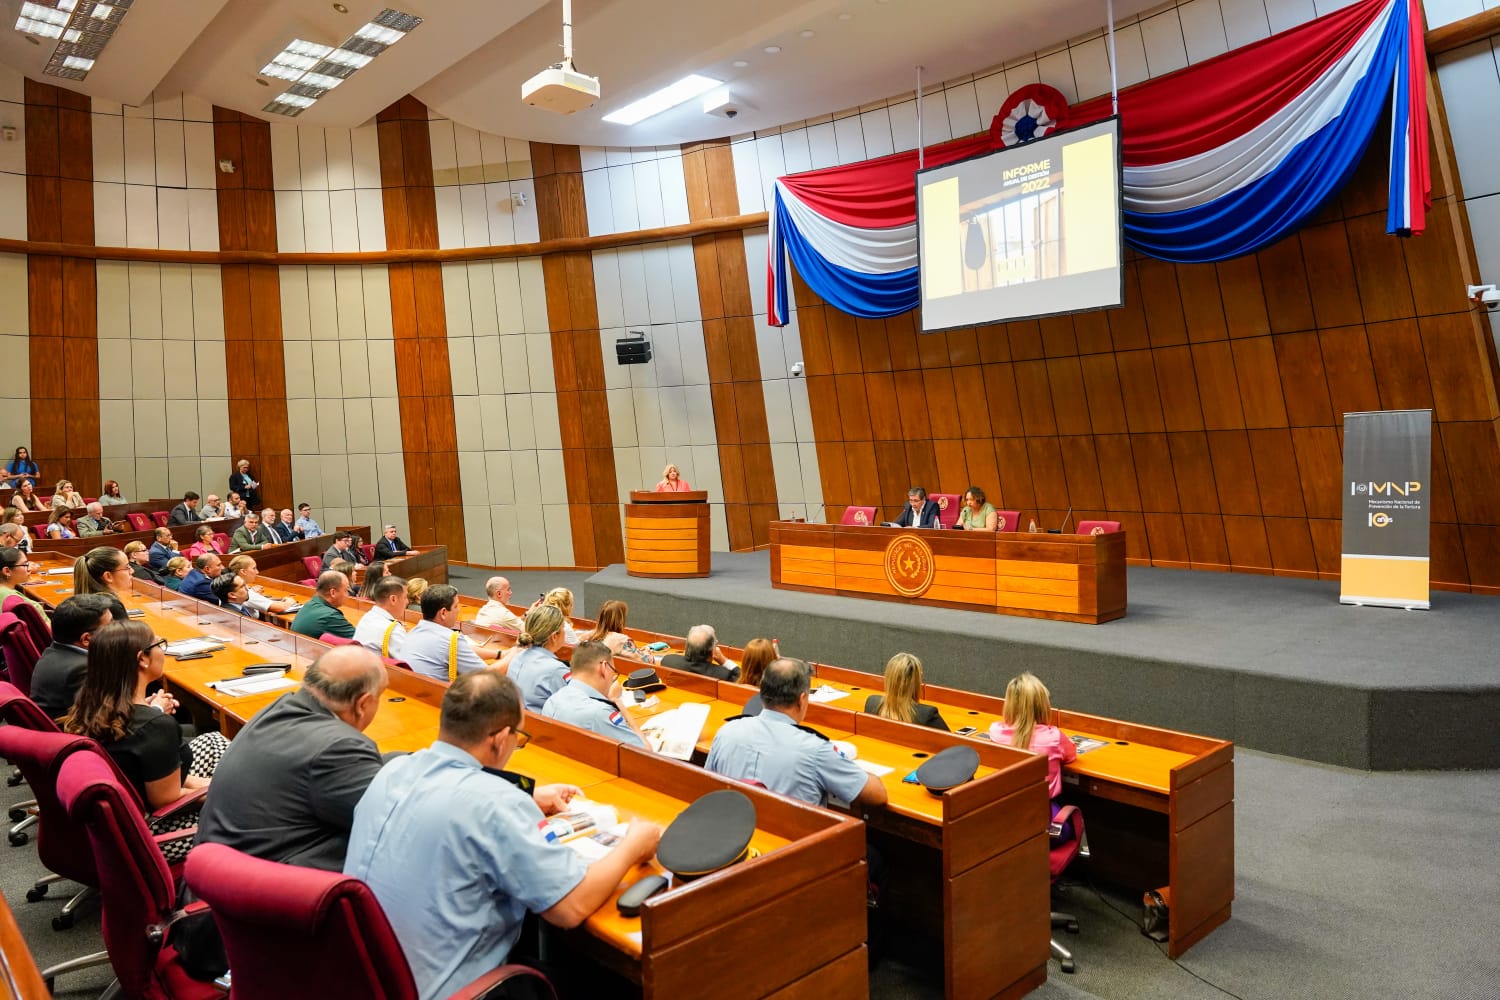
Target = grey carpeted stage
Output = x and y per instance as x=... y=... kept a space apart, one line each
x=1271 y=663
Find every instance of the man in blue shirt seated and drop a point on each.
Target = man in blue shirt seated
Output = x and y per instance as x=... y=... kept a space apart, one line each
x=775 y=749
x=305 y=523
x=434 y=647
x=455 y=854
x=591 y=697
x=162 y=549
x=199 y=582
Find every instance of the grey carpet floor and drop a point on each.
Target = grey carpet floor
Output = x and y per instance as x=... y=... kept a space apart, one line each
x=1349 y=885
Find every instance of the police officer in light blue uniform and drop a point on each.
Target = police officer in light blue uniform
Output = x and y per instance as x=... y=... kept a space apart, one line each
x=590 y=698
x=776 y=750
x=536 y=669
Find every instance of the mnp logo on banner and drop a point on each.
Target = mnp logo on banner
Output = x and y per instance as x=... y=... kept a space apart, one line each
x=1387 y=467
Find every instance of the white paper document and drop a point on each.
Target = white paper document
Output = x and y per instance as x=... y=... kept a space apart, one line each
x=823 y=695
x=239 y=687
x=674 y=733
x=879 y=770
x=182 y=647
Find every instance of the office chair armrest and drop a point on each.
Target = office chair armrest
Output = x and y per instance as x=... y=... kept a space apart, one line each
x=157 y=933
x=189 y=801
x=494 y=980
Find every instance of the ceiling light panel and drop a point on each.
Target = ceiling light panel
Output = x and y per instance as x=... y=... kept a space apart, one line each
x=84 y=28
x=313 y=69
x=664 y=99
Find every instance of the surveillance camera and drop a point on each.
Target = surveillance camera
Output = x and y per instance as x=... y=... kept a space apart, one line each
x=1485 y=295
x=731 y=113
x=797 y=369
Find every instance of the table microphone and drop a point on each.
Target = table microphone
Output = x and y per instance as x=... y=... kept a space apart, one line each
x=1059 y=531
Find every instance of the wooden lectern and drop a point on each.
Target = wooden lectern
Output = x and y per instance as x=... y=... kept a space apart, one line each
x=666 y=534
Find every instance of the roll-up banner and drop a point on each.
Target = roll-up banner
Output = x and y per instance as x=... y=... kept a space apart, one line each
x=1387 y=468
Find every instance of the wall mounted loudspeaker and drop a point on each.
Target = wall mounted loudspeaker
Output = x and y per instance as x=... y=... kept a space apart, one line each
x=633 y=349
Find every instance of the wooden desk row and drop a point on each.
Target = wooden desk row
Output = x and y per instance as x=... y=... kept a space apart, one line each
x=284 y=562
x=183 y=534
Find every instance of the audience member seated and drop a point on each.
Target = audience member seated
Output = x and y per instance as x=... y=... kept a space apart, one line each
x=672 y=481
x=495 y=614
x=59 y=672
x=287 y=788
x=903 y=695
x=241 y=482
x=919 y=511
x=163 y=547
x=775 y=749
x=66 y=496
x=343 y=547
x=233 y=506
x=268 y=525
x=204 y=543
x=199 y=581
x=306 y=526
x=701 y=655
x=283 y=528
x=977 y=514
x=15 y=572
x=140 y=562
x=15 y=536
x=232 y=593
x=591 y=697
x=138 y=731
x=174 y=572
x=415 y=588
x=381 y=629
x=453 y=854
x=25 y=498
x=112 y=495
x=322 y=614
x=435 y=647
x=187 y=511
x=390 y=544
x=758 y=655
x=373 y=572
x=346 y=567
x=103 y=570
x=561 y=598
x=20 y=470
x=60 y=525
x=610 y=630
x=95 y=523
x=212 y=508
x=263 y=605
x=251 y=536
x=1027 y=723
x=535 y=668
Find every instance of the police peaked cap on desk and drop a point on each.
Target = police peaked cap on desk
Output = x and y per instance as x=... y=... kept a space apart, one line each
x=948 y=769
x=712 y=833
x=644 y=679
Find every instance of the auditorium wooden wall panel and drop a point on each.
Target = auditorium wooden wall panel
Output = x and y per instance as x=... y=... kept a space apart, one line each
x=1218 y=386
x=62 y=307
x=419 y=325
x=1259 y=382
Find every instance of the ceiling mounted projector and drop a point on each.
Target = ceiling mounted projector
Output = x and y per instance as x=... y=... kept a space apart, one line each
x=560 y=88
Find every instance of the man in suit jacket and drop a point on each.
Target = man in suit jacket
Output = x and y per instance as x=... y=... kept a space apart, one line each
x=187 y=511
x=285 y=529
x=919 y=511
x=60 y=669
x=162 y=549
x=199 y=582
x=390 y=545
x=701 y=655
x=344 y=547
x=252 y=535
x=95 y=523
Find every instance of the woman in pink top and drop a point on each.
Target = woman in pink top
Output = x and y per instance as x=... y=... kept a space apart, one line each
x=204 y=544
x=1026 y=724
x=672 y=481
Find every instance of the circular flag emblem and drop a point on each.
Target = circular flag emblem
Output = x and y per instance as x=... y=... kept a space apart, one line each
x=908 y=565
x=1029 y=113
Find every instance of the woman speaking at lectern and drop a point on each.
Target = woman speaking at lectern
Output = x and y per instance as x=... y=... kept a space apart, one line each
x=672 y=481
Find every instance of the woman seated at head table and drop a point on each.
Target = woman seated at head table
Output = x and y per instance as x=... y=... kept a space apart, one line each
x=15 y=516
x=20 y=469
x=205 y=543
x=60 y=524
x=65 y=495
x=672 y=481
x=25 y=498
x=139 y=731
x=103 y=570
x=112 y=494
x=902 y=700
x=610 y=630
x=177 y=567
x=977 y=513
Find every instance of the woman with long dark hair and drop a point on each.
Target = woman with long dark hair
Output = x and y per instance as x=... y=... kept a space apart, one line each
x=20 y=469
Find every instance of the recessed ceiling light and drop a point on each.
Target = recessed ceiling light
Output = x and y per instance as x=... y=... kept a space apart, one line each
x=84 y=29
x=341 y=8
x=670 y=96
x=314 y=69
x=740 y=64
x=771 y=50
x=807 y=33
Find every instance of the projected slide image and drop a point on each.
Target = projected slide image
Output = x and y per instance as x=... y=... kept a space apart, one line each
x=1012 y=237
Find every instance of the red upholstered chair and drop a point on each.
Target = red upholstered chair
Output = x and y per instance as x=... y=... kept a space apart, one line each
x=222 y=542
x=19 y=652
x=138 y=521
x=1059 y=856
x=949 y=504
x=861 y=516
x=1009 y=520
x=89 y=500
x=1097 y=527
x=136 y=887
x=313 y=565
x=368 y=551
x=46 y=501
x=292 y=933
x=335 y=640
x=160 y=517
x=41 y=632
